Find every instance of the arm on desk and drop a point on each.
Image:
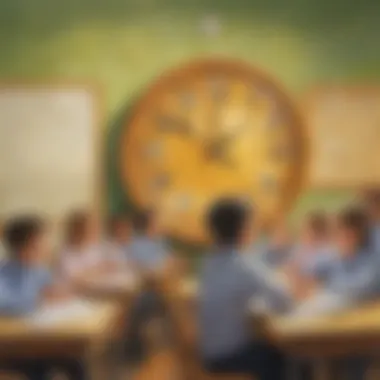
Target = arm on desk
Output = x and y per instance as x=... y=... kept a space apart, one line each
x=264 y=283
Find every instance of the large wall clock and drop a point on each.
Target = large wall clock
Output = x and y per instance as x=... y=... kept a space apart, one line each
x=209 y=129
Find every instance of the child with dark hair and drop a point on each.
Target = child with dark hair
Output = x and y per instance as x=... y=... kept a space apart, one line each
x=82 y=252
x=25 y=283
x=117 y=240
x=352 y=278
x=226 y=288
x=149 y=255
x=314 y=252
x=372 y=210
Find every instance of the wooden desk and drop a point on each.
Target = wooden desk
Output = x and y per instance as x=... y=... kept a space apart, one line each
x=117 y=286
x=329 y=337
x=81 y=338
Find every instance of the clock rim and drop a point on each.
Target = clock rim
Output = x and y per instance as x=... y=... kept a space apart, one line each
x=297 y=180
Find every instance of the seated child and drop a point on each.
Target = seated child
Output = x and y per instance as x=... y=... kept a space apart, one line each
x=372 y=208
x=149 y=256
x=118 y=240
x=24 y=284
x=82 y=253
x=3 y=252
x=352 y=277
x=277 y=252
x=226 y=287
x=313 y=255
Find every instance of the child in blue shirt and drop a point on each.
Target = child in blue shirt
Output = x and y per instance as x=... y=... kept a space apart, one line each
x=226 y=287
x=352 y=278
x=24 y=284
x=372 y=206
x=149 y=255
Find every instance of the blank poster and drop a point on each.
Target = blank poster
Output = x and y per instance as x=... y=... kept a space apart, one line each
x=344 y=131
x=48 y=150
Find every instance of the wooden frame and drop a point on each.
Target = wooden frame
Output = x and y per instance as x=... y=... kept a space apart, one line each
x=98 y=203
x=306 y=104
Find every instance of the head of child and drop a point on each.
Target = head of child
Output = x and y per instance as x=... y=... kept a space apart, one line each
x=230 y=223
x=352 y=232
x=26 y=239
x=119 y=228
x=372 y=205
x=315 y=230
x=144 y=223
x=82 y=229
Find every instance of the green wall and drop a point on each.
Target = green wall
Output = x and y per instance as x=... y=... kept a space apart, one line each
x=125 y=44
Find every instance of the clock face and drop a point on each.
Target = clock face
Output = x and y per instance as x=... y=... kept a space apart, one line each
x=207 y=130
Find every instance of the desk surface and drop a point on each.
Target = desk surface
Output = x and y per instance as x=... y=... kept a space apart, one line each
x=360 y=320
x=87 y=325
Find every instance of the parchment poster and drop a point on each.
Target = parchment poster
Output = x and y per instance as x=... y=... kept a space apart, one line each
x=344 y=130
x=48 y=154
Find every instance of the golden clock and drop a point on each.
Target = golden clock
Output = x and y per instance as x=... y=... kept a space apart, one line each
x=209 y=129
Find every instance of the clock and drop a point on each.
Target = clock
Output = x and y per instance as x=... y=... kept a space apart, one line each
x=211 y=129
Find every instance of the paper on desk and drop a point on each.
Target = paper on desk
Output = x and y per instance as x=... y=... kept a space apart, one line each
x=321 y=304
x=67 y=311
x=119 y=280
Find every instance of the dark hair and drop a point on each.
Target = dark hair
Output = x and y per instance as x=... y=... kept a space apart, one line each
x=318 y=223
x=75 y=226
x=372 y=197
x=356 y=220
x=18 y=232
x=141 y=221
x=226 y=220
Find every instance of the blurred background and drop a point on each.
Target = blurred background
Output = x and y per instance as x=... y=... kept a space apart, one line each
x=122 y=45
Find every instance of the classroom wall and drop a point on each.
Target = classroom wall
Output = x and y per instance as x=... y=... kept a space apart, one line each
x=125 y=44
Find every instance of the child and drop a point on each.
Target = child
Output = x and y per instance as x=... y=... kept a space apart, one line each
x=352 y=278
x=372 y=208
x=118 y=235
x=147 y=249
x=314 y=252
x=226 y=287
x=277 y=253
x=83 y=252
x=24 y=283
x=3 y=253
x=149 y=255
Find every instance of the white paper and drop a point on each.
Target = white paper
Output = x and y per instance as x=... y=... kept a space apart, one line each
x=67 y=311
x=120 y=280
x=321 y=304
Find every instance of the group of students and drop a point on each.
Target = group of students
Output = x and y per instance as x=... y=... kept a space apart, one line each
x=29 y=278
x=333 y=263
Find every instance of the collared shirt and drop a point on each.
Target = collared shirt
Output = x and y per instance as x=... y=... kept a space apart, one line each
x=21 y=287
x=148 y=253
x=227 y=284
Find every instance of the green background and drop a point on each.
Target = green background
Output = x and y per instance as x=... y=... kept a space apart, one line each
x=125 y=44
